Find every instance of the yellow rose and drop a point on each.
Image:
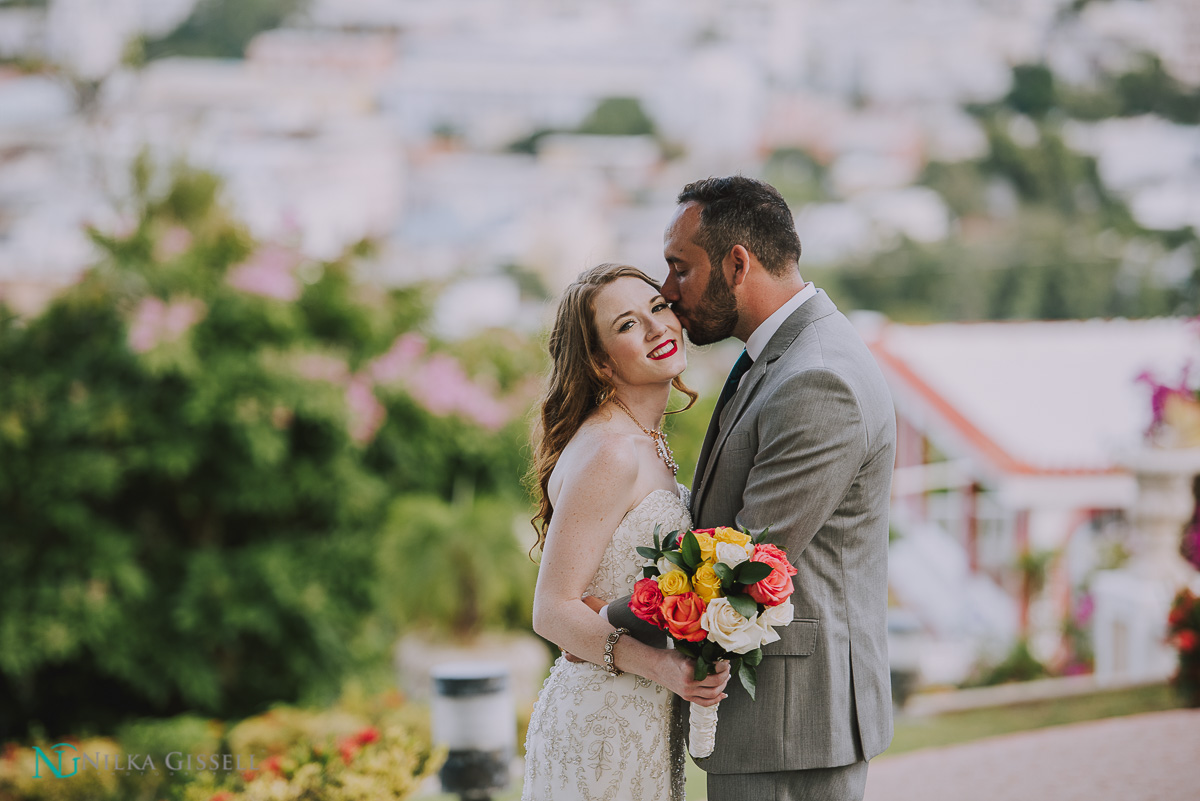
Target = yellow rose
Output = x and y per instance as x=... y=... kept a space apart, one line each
x=707 y=545
x=674 y=583
x=707 y=583
x=732 y=536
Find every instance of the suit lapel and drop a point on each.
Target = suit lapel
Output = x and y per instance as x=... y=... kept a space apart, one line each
x=722 y=423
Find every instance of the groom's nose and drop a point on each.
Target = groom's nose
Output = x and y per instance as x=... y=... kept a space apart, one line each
x=670 y=288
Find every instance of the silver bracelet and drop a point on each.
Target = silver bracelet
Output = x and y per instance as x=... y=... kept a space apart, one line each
x=609 y=664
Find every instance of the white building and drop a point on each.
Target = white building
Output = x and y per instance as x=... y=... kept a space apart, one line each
x=1009 y=445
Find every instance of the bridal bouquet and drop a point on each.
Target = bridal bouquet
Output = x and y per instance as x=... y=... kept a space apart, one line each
x=718 y=593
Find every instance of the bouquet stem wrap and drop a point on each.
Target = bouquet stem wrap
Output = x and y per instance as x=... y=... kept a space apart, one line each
x=703 y=736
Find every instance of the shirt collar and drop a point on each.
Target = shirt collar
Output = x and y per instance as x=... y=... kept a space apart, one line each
x=762 y=335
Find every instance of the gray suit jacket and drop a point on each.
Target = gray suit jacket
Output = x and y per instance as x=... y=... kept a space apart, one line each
x=806 y=446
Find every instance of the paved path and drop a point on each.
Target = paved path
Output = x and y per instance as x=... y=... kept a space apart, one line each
x=1151 y=757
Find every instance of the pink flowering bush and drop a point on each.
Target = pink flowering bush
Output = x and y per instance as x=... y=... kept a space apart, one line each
x=201 y=453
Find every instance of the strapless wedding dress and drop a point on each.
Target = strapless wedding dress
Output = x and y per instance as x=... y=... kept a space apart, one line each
x=596 y=737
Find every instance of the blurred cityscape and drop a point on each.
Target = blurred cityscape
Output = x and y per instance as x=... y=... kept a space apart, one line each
x=1004 y=195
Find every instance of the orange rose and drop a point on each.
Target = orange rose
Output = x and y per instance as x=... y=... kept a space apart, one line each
x=682 y=614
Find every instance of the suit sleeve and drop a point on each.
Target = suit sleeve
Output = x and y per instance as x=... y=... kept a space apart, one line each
x=812 y=442
x=620 y=616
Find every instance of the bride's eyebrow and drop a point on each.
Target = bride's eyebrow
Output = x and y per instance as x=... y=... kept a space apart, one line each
x=623 y=315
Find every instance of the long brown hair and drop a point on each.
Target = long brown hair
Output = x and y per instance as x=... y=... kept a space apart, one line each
x=577 y=384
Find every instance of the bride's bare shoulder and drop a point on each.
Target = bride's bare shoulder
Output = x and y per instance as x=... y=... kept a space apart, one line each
x=606 y=459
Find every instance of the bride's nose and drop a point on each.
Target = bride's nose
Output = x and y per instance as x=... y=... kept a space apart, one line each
x=655 y=329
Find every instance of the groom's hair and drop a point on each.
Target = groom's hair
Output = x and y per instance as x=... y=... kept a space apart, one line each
x=744 y=211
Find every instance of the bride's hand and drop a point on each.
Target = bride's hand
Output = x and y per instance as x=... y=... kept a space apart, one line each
x=679 y=677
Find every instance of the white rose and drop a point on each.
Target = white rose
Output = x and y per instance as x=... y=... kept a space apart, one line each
x=665 y=566
x=730 y=554
x=775 y=616
x=728 y=629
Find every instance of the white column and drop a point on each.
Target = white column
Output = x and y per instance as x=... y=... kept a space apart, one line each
x=1132 y=603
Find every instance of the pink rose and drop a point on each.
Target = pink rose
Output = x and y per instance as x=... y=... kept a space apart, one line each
x=646 y=602
x=776 y=587
x=682 y=614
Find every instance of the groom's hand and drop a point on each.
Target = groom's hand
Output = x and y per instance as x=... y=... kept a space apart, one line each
x=678 y=675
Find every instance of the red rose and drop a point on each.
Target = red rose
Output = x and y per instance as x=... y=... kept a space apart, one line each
x=367 y=736
x=682 y=614
x=274 y=764
x=1186 y=640
x=776 y=587
x=1176 y=617
x=646 y=602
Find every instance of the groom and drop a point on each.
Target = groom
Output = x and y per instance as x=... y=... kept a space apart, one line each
x=802 y=441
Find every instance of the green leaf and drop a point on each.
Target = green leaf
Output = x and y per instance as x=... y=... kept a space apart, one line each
x=711 y=651
x=691 y=550
x=649 y=571
x=669 y=543
x=752 y=572
x=702 y=669
x=746 y=606
x=725 y=573
x=657 y=542
x=749 y=676
x=649 y=553
x=754 y=658
x=764 y=537
x=675 y=558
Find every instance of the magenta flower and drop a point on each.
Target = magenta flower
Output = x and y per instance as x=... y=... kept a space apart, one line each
x=443 y=388
x=155 y=322
x=270 y=272
x=366 y=412
x=1159 y=393
x=173 y=242
x=400 y=360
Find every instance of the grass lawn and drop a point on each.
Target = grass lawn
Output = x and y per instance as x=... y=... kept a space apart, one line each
x=975 y=724
x=960 y=727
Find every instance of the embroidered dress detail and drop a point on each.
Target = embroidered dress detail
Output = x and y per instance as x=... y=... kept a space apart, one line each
x=598 y=737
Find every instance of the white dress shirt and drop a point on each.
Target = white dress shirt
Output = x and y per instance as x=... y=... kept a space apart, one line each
x=757 y=341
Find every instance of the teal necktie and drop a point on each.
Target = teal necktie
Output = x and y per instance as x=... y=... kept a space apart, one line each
x=740 y=367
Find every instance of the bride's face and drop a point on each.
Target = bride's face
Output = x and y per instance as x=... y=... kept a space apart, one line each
x=641 y=336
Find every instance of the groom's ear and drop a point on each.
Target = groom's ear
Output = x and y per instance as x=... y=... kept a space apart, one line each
x=736 y=265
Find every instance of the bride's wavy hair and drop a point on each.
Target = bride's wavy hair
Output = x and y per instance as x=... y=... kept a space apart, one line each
x=577 y=384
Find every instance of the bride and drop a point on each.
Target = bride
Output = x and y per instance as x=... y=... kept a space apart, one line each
x=608 y=727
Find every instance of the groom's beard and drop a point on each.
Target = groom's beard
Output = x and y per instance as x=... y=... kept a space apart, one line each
x=716 y=315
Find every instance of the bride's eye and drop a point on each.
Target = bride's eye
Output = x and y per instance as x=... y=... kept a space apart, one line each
x=625 y=326
x=660 y=306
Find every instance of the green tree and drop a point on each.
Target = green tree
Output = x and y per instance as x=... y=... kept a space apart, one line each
x=618 y=116
x=1032 y=91
x=192 y=486
x=222 y=28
